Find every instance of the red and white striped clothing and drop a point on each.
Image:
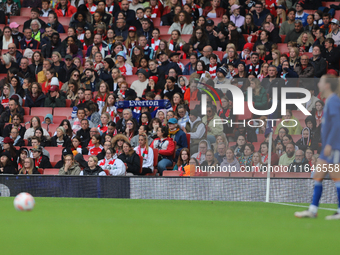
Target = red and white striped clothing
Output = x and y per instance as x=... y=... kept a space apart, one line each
x=181 y=65
x=93 y=8
x=212 y=71
x=256 y=68
x=102 y=129
x=155 y=44
x=172 y=46
x=126 y=69
x=81 y=37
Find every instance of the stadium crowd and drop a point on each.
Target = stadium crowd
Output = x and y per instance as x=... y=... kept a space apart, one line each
x=112 y=52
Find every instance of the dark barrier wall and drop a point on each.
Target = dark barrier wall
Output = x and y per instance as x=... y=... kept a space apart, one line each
x=66 y=186
x=177 y=188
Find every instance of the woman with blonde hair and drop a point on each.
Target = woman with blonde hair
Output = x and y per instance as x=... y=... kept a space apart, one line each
x=305 y=41
x=220 y=139
x=176 y=42
x=294 y=57
x=77 y=61
x=229 y=46
x=264 y=71
x=281 y=16
x=256 y=162
x=276 y=54
x=28 y=167
x=261 y=50
x=75 y=78
x=109 y=106
x=131 y=39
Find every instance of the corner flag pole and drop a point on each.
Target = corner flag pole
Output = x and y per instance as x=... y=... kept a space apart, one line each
x=269 y=161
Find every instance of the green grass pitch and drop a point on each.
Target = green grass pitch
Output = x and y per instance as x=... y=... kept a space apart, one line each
x=117 y=226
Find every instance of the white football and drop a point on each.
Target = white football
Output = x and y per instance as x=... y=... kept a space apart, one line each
x=24 y=202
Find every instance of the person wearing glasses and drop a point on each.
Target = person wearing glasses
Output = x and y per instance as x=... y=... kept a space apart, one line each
x=306 y=69
x=17 y=119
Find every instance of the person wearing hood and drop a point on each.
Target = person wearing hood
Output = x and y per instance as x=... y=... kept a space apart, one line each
x=117 y=143
x=61 y=139
x=203 y=146
x=23 y=153
x=300 y=163
x=7 y=92
x=6 y=166
x=113 y=164
x=195 y=128
x=48 y=119
x=40 y=160
x=92 y=168
x=307 y=140
x=177 y=135
x=54 y=97
x=70 y=166
x=310 y=122
x=230 y=163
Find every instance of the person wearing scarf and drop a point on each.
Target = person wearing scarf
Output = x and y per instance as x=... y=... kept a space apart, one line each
x=144 y=151
x=183 y=160
x=247 y=155
x=113 y=164
x=307 y=140
x=40 y=160
x=177 y=135
x=203 y=146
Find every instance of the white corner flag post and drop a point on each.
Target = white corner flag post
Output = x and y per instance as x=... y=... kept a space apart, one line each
x=269 y=161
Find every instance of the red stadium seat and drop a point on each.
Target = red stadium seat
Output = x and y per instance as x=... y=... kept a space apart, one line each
x=282 y=47
x=65 y=21
x=53 y=127
x=296 y=138
x=86 y=157
x=247 y=113
x=25 y=12
x=219 y=54
x=20 y=19
x=163 y=30
x=54 y=151
x=188 y=140
x=68 y=102
x=45 y=19
x=62 y=111
x=51 y=171
x=141 y=164
x=260 y=138
x=309 y=11
x=63 y=36
x=337 y=15
x=257 y=145
x=327 y=4
x=131 y=78
x=53 y=163
x=65 y=27
x=299 y=115
x=193 y=104
x=58 y=119
x=42 y=111
x=241 y=174
x=165 y=36
x=219 y=174
x=283 y=37
x=27 y=110
x=292 y=175
x=262 y=175
x=171 y=173
x=186 y=38
x=185 y=61
x=44 y=125
x=2 y=26
x=56 y=157
x=134 y=70
x=41 y=171
x=156 y=22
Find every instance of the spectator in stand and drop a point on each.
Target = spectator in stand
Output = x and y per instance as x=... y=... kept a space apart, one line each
x=259 y=14
x=8 y=39
x=34 y=96
x=305 y=42
x=289 y=24
x=326 y=23
x=146 y=152
x=289 y=157
x=84 y=131
x=92 y=114
x=235 y=16
x=34 y=15
x=182 y=23
x=40 y=160
x=320 y=39
x=306 y=69
x=6 y=164
x=199 y=39
x=300 y=14
x=123 y=66
x=264 y=148
x=208 y=120
x=37 y=63
x=335 y=35
x=41 y=76
x=281 y=16
x=331 y=54
x=318 y=62
x=97 y=147
x=54 y=97
x=93 y=168
x=300 y=163
x=293 y=35
x=24 y=70
x=166 y=147
x=7 y=62
x=61 y=139
x=177 y=135
x=45 y=8
x=248 y=27
x=91 y=81
x=130 y=159
x=98 y=41
x=310 y=23
x=129 y=14
x=28 y=167
x=307 y=140
x=230 y=162
x=70 y=166
x=214 y=10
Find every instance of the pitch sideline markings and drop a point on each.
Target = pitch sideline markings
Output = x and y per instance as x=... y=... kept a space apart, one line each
x=305 y=206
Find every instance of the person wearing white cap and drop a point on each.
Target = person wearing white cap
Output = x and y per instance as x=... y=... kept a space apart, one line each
x=55 y=98
x=335 y=35
x=124 y=67
x=235 y=15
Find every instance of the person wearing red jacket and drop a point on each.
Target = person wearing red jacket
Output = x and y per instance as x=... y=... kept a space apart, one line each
x=166 y=148
x=214 y=11
x=65 y=9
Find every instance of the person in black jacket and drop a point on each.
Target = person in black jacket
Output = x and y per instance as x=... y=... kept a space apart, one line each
x=84 y=132
x=51 y=46
x=167 y=65
x=40 y=160
x=17 y=119
x=6 y=166
x=13 y=108
x=105 y=72
x=17 y=139
x=93 y=169
x=8 y=146
x=34 y=96
x=131 y=159
x=61 y=139
x=37 y=64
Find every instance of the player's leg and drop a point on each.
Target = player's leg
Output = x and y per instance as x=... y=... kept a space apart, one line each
x=313 y=208
x=335 y=175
